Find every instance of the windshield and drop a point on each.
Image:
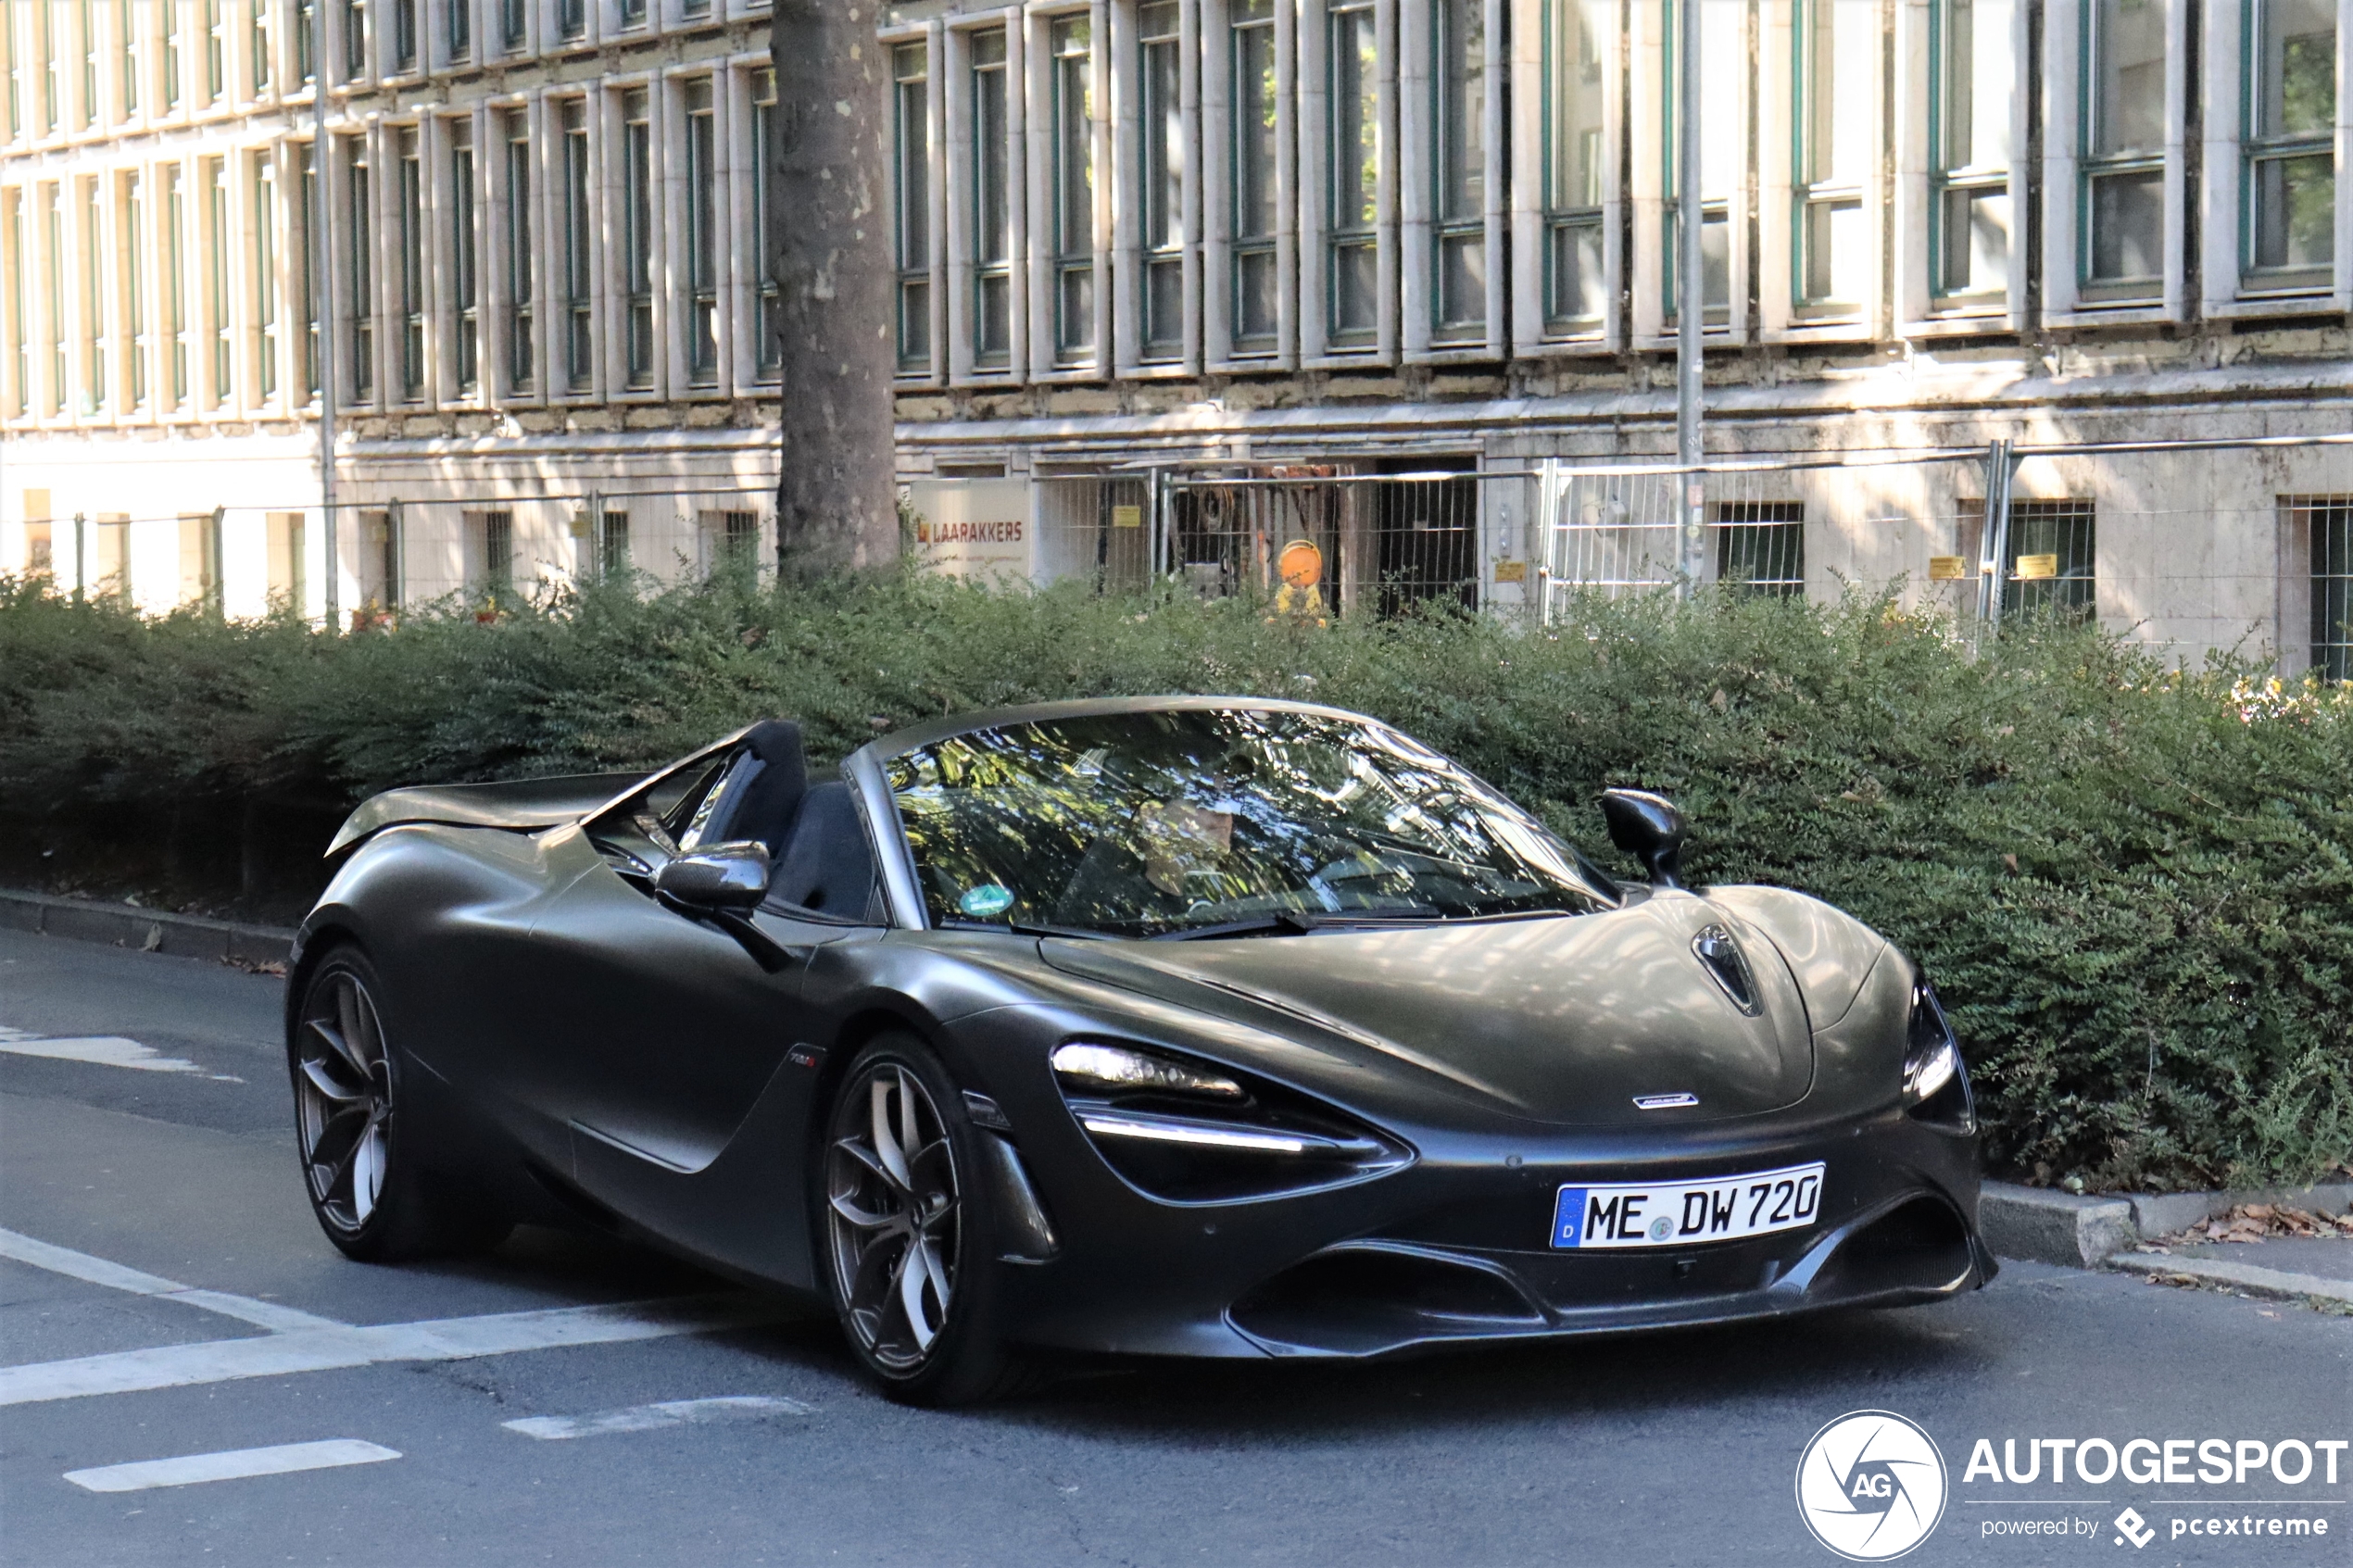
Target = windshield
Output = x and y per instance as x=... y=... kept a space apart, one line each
x=1148 y=824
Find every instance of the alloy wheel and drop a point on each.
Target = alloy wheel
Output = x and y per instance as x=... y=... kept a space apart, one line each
x=893 y=1211
x=342 y=1091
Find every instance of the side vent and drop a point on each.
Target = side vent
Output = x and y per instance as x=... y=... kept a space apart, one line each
x=1722 y=958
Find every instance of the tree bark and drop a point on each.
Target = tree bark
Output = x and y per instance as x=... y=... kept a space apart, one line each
x=829 y=246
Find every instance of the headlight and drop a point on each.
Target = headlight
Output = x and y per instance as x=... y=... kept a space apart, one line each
x=1093 y=1069
x=1935 y=1085
x=1187 y=1132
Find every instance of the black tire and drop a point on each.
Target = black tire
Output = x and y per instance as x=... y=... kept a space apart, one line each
x=363 y=1129
x=884 y=1210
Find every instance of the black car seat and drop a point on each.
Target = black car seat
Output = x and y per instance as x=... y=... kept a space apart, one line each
x=771 y=796
x=827 y=864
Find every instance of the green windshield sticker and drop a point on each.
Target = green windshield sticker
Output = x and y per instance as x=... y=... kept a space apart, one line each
x=989 y=899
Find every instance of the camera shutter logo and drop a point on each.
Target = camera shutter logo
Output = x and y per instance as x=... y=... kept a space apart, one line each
x=1871 y=1485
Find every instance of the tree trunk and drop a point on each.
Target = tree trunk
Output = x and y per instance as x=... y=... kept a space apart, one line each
x=829 y=244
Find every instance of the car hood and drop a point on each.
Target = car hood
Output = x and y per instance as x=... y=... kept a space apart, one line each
x=1562 y=1020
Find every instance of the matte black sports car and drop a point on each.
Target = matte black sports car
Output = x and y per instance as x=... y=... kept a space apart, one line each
x=1197 y=1026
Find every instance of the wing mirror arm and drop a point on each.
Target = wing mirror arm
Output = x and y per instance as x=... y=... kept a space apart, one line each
x=722 y=883
x=1648 y=827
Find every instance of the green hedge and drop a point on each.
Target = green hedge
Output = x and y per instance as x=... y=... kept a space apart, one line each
x=2134 y=887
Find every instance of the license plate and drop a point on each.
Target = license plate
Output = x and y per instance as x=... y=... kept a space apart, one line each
x=1687 y=1213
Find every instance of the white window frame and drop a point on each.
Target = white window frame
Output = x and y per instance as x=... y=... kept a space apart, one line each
x=675 y=248
x=1128 y=265
x=1917 y=314
x=1781 y=196
x=1217 y=193
x=607 y=104
x=1531 y=128
x=2065 y=66
x=1046 y=360
x=956 y=95
x=1653 y=206
x=743 y=291
x=1311 y=120
x=1418 y=133
x=2229 y=288
x=934 y=38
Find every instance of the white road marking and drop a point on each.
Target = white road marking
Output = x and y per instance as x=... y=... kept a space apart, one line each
x=105 y=1050
x=321 y=1349
x=647 y=1418
x=231 y=1465
x=116 y=1276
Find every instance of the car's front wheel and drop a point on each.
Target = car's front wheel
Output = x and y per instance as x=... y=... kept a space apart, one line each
x=362 y=1152
x=907 y=1228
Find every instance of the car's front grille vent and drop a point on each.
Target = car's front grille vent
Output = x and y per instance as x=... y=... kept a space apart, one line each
x=1723 y=959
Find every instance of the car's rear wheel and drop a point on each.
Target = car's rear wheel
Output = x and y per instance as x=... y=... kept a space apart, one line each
x=362 y=1143
x=908 y=1253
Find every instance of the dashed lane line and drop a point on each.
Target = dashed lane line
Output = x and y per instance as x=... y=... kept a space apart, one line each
x=322 y=1349
x=116 y=1276
x=667 y=1412
x=229 y=1465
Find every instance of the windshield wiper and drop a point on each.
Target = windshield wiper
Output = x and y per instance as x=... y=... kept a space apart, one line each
x=1298 y=923
x=1018 y=928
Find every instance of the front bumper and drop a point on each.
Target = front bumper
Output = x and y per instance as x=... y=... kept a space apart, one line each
x=1451 y=1250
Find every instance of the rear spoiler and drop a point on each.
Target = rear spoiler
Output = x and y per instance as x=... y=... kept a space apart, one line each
x=519 y=805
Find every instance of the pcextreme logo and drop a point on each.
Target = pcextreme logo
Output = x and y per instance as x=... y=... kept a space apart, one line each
x=1870 y=1485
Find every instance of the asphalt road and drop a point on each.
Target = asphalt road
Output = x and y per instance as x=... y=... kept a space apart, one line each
x=1668 y=1449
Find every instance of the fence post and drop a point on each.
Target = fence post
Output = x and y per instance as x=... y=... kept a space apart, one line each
x=396 y=555
x=81 y=557
x=1994 y=566
x=216 y=590
x=1159 y=542
x=598 y=565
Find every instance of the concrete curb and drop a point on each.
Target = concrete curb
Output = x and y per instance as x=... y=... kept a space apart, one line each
x=2083 y=1232
x=2279 y=1285
x=152 y=931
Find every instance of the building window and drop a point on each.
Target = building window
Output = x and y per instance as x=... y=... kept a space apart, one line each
x=572 y=18
x=200 y=559
x=1458 y=89
x=16 y=75
x=128 y=38
x=1575 y=253
x=2123 y=168
x=305 y=19
x=45 y=15
x=910 y=128
x=579 y=271
x=307 y=262
x=702 y=234
x=2051 y=558
x=216 y=51
x=1161 y=298
x=404 y=35
x=638 y=240
x=19 y=347
x=409 y=197
x=261 y=47
x=287 y=572
x=360 y=233
x=992 y=208
x=633 y=12
x=1972 y=73
x=1760 y=547
x=1256 y=283
x=175 y=282
x=521 y=262
x=461 y=17
x=490 y=551
x=2290 y=174
x=93 y=297
x=770 y=331
x=1836 y=139
x=612 y=544
x=1070 y=47
x=2330 y=531
x=265 y=274
x=89 y=64
x=355 y=39
x=172 y=56
x=55 y=203
x=112 y=548
x=138 y=321
x=464 y=279
x=730 y=541
x=514 y=26
x=216 y=176
x=1723 y=54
